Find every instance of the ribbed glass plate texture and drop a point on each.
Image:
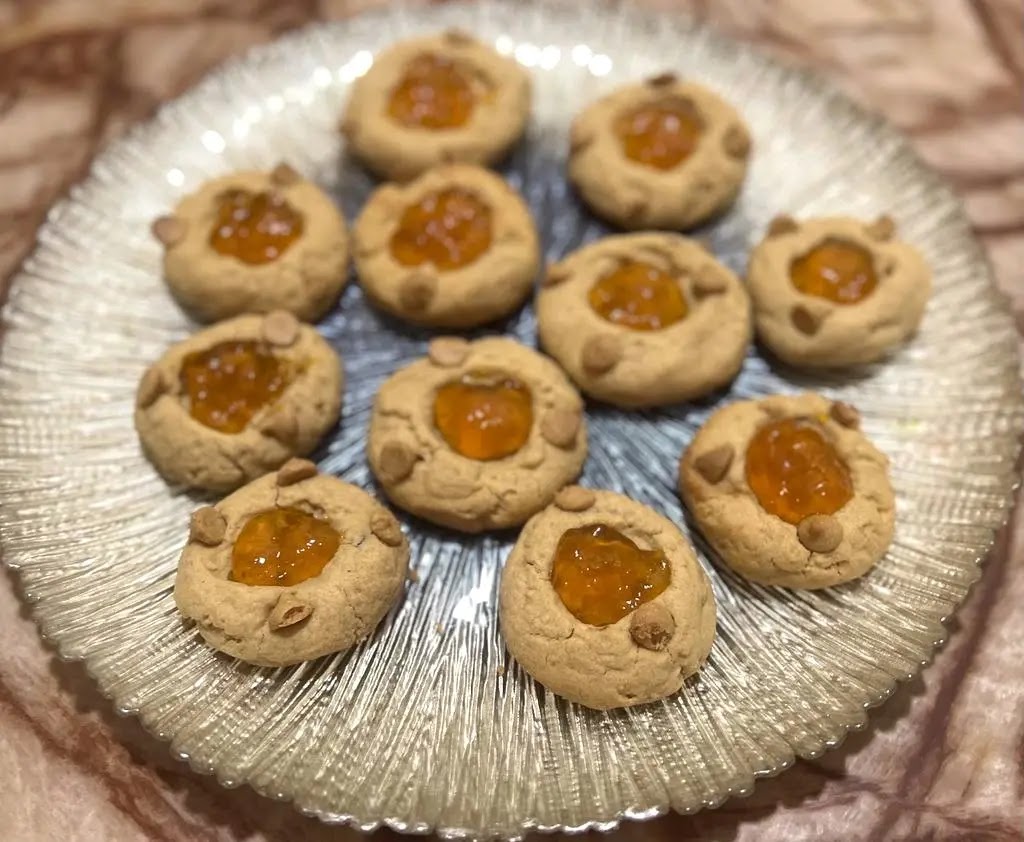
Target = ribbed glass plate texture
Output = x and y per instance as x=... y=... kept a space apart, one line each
x=429 y=724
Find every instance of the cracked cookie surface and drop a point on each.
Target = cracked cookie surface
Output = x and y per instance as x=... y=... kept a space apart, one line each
x=697 y=353
x=644 y=656
x=422 y=473
x=272 y=625
x=189 y=453
x=821 y=549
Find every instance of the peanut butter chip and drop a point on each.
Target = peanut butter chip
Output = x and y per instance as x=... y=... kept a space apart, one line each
x=448 y=351
x=845 y=414
x=417 y=291
x=804 y=320
x=285 y=174
x=288 y=611
x=714 y=464
x=207 y=526
x=169 y=230
x=708 y=281
x=386 y=528
x=295 y=470
x=560 y=426
x=601 y=354
x=883 y=228
x=458 y=37
x=151 y=386
x=574 y=498
x=396 y=461
x=282 y=425
x=782 y=225
x=652 y=626
x=736 y=142
x=280 y=328
x=663 y=79
x=820 y=533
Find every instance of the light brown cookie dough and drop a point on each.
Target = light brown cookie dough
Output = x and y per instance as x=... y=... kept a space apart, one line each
x=455 y=248
x=528 y=441
x=644 y=656
x=299 y=372
x=436 y=99
x=275 y=616
x=792 y=548
x=661 y=154
x=811 y=330
x=676 y=322
x=215 y=272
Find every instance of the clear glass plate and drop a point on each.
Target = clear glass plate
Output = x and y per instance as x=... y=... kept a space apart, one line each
x=429 y=725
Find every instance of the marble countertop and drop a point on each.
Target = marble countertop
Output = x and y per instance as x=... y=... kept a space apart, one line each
x=942 y=760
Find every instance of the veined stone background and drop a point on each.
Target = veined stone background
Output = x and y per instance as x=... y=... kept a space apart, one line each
x=942 y=760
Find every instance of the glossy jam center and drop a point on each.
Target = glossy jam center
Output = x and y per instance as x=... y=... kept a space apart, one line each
x=484 y=414
x=228 y=384
x=639 y=296
x=795 y=472
x=448 y=228
x=255 y=228
x=433 y=93
x=282 y=546
x=660 y=134
x=601 y=575
x=835 y=269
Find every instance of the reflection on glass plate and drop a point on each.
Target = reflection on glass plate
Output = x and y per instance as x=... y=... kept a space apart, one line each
x=429 y=725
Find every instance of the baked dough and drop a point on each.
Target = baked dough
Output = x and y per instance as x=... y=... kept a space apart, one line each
x=398 y=152
x=762 y=547
x=493 y=285
x=190 y=454
x=274 y=625
x=633 y=195
x=809 y=331
x=641 y=368
x=643 y=657
x=419 y=471
x=306 y=279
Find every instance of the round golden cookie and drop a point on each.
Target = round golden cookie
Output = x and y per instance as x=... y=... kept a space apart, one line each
x=436 y=99
x=253 y=242
x=664 y=153
x=642 y=320
x=644 y=656
x=718 y=480
x=285 y=393
x=455 y=248
x=299 y=619
x=810 y=330
x=477 y=435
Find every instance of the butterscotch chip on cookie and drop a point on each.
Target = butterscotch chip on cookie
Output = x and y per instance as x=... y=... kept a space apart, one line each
x=836 y=291
x=296 y=570
x=789 y=491
x=237 y=400
x=433 y=100
x=662 y=154
x=604 y=603
x=254 y=242
x=643 y=320
x=455 y=248
x=477 y=435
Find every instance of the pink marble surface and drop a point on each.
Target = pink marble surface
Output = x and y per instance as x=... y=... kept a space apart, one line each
x=943 y=760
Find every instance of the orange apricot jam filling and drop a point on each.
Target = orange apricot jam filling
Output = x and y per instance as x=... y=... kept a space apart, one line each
x=434 y=92
x=484 y=415
x=639 y=296
x=448 y=228
x=660 y=134
x=601 y=575
x=255 y=228
x=282 y=546
x=228 y=384
x=837 y=270
x=795 y=472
